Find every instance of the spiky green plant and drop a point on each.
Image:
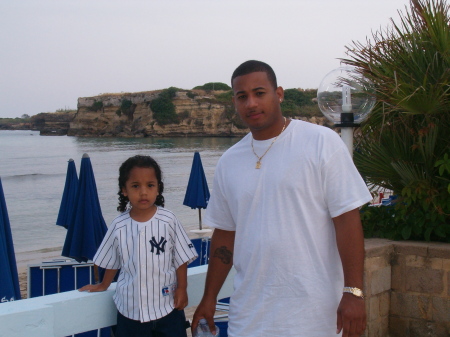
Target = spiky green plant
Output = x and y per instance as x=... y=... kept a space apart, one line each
x=405 y=144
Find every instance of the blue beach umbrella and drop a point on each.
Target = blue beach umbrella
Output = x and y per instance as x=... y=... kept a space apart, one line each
x=9 y=279
x=69 y=195
x=87 y=226
x=197 y=192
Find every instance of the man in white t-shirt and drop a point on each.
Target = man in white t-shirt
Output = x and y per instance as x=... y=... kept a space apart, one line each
x=284 y=206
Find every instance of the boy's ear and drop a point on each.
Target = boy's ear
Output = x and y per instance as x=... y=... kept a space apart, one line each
x=124 y=192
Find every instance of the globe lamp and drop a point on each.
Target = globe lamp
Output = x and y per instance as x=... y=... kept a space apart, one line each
x=346 y=98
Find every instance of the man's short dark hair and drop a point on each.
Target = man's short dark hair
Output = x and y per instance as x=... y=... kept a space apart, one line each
x=253 y=66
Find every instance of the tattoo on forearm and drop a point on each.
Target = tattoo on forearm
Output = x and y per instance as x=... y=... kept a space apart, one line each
x=224 y=254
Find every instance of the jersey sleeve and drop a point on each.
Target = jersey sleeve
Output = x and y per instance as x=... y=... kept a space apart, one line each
x=184 y=250
x=107 y=255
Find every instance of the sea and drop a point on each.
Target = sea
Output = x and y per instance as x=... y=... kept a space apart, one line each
x=33 y=171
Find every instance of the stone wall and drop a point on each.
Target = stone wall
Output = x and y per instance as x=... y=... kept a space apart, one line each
x=407 y=286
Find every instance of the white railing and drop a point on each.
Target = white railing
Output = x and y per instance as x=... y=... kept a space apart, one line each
x=73 y=312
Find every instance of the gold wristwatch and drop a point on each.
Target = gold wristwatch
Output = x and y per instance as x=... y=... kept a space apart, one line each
x=354 y=291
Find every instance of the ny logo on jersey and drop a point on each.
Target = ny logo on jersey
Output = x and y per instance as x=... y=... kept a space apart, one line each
x=158 y=245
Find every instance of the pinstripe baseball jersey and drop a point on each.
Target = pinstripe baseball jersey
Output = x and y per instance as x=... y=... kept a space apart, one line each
x=148 y=255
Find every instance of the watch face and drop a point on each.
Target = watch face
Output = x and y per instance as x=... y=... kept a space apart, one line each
x=357 y=292
x=354 y=291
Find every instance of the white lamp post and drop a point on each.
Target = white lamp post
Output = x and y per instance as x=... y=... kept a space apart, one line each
x=346 y=98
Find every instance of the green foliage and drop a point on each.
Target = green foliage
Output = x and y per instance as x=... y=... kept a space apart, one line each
x=214 y=86
x=191 y=94
x=126 y=108
x=11 y=121
x=405 y=145
x=300 y=103
x=96 y=106
x=163 y=107
x=225 y=97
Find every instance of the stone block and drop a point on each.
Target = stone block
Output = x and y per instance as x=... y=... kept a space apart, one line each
x=411 y=248
x=380 y=280
x=438 y=249
x=424 y=280
x=442 y=329
x=378 y=329
x=398 y=277
x=375 y=263
x=410 y=306
x=440 y=309
x=435 y=263
x=367 y=279
x=385 y=303
x=446 y=264
x=374 y=309
x=448 y=283
x=378 y=247
x=419 y=328
x=398 y=327
x=367 y=306
x=415 y=261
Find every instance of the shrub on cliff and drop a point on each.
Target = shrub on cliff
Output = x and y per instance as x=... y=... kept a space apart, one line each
x=96 y=106
x=163 y=107
x=213 y=86
x=299 y=102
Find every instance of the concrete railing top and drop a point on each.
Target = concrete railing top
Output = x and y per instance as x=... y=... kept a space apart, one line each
x=73 y=312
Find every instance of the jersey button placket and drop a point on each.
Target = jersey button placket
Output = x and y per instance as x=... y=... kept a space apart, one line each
x=143 y=304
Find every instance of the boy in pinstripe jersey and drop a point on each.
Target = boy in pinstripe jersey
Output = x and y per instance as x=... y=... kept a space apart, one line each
x=151 y=249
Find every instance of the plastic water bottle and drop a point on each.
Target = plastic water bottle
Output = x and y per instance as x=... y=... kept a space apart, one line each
x=203 y=330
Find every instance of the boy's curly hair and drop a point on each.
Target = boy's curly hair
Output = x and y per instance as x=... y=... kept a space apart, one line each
x=124 y=175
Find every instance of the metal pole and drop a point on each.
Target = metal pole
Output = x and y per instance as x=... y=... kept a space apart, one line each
x=200 y=218
x=347 y=138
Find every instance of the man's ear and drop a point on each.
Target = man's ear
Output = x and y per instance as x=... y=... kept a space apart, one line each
x=280 y=93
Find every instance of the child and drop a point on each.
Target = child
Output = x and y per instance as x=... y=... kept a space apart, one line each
x=151 y=249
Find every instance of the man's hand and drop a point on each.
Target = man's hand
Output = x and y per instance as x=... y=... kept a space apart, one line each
x=351 y=316
x=206 y=310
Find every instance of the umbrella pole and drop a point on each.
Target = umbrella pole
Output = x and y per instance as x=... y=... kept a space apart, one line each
x=200 y=218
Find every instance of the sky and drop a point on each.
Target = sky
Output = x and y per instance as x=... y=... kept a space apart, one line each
x=54 y=51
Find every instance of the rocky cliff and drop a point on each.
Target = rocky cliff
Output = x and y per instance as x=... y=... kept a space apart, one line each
x=192 y=113
x=52 y=123
x=199 y=114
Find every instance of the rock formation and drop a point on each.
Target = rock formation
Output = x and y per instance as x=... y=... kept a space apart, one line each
x=198 y=115
x=192 y=113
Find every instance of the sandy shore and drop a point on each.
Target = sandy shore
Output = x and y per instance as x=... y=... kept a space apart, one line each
x=37 y=256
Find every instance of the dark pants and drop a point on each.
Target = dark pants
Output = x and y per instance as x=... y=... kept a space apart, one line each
x=172 y=325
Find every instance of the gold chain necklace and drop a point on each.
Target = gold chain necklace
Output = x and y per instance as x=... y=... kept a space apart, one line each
x=258 y=163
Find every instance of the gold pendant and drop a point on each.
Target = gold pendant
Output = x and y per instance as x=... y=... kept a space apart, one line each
x=258 y=164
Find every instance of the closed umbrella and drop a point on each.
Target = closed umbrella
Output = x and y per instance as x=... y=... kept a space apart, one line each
x=197 y=192
x=87 y=226
x=9 y=279
x=69 y=195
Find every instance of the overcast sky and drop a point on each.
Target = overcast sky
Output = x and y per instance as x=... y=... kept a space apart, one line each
x=54 y=51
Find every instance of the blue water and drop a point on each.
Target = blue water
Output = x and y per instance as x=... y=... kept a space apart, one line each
x=33 y=170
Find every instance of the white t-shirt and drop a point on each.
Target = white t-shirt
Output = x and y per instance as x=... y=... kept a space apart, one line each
x=289 y=274
x=148 y=255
